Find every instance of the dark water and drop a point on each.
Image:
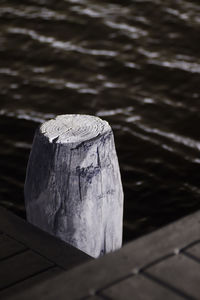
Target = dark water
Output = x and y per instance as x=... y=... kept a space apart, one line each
x=134 y=63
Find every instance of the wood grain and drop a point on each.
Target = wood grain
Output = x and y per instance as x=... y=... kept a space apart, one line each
x=73 y=186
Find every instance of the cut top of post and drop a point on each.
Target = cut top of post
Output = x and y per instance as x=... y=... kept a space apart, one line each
x=73 y=128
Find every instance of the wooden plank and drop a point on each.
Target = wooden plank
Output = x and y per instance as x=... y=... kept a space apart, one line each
x=61 y=253
x=194 y=251
x=20 y=267
x=179 y=272
x=26 y=284
x=140 y=288
x=97 y=297
x=9 y=247
x=97 y=274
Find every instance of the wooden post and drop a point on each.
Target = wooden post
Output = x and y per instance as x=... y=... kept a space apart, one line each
x=73 y=186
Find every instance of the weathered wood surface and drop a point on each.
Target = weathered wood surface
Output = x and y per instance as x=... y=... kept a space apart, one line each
x=140 y=288
x=155 y=266
x=30 y=282
x=62 y=254
x=29 y=256
x=179 y=272
x=21 y=266
x=73 y=187
x=194 y=251
x=9 y=247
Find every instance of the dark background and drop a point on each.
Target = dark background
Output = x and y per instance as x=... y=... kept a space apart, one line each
x=135 y=64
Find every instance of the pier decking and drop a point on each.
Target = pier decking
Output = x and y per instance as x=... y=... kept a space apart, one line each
x=28 y=256
x=162 y=265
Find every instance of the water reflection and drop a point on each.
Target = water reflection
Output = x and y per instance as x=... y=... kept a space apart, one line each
x=66 y=46
x=27 y=115
x=32 y=12
x=134 y=63
x=182 y=65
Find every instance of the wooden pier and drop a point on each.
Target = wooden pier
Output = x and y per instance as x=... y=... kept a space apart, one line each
x=162 y=265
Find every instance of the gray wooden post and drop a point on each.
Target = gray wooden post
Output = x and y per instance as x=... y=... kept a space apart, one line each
x=73 y=186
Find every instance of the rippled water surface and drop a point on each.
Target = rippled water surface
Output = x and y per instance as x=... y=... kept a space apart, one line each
x=134 y=63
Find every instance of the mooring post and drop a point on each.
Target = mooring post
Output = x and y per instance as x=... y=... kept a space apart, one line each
x=73 y=186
